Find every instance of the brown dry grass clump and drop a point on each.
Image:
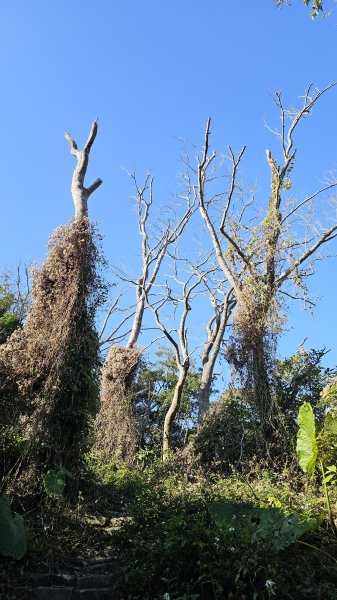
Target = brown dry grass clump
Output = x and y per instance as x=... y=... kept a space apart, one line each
x=115 y=432
x=53 y=359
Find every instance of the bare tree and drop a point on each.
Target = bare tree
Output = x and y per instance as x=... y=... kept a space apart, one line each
x=156 y=239
x=168 y=297
x=116 y=436
x=79 y=192
x=156 y=249
x=261 y=258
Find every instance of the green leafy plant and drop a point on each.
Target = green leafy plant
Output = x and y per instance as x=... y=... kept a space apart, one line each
x=13 y=539
x=311 y=447
x=307 y=448
x=54 y=481
x=270 y=526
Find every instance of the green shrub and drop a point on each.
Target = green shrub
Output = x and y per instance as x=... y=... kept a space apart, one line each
x=172 y=547
x=13 y=540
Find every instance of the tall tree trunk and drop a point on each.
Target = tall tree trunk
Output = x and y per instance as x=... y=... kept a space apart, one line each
x=172 y=411
x=138 y=318
x=216 y=330
x=204 y=392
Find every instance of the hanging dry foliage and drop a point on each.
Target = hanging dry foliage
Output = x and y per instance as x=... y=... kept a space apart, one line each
x=53 y=359
x=251 y=349
x=115 y=432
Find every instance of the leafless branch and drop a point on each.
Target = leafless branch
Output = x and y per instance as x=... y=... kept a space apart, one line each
x=327 y=236
x=306 y=200
x=79 y=192
x=235 y=165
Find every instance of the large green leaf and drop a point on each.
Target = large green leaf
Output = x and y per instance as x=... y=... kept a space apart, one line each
x=54 y=481
x=306 y=447
x=13 y=539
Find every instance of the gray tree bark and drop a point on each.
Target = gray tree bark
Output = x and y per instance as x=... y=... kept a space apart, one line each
x=211 y=353
x=174 y=407
x=79 y=192
x=138 y=318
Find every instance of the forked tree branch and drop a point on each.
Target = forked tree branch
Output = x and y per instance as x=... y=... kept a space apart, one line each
x=202 y=179
x=79 y=192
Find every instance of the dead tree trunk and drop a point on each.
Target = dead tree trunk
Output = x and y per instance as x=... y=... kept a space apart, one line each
x=79 y=192
x=139 y=314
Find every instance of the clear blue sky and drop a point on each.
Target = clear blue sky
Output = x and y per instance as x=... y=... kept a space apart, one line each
x=152 y=71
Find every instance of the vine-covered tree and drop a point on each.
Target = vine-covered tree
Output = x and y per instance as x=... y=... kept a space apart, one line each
x=53 y=359
x=262 y=258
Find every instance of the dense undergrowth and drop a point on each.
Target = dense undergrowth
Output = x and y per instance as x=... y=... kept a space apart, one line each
x=207 y=526
x=155 y=524
x=171 y=544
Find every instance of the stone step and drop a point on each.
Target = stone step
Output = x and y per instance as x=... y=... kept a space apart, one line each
x=70 y=593
x=96 y=586
x=51 y=593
